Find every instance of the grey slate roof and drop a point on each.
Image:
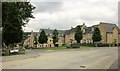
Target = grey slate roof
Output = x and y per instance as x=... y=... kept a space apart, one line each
x=72 y=30
x=109 y=26
x=88 y=30
x=61 y=32
x=49 y=31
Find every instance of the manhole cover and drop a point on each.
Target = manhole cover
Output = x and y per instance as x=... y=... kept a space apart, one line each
x=83 y=66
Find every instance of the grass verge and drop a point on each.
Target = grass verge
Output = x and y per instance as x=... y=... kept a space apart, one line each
x=52 y=48
x=86 y=47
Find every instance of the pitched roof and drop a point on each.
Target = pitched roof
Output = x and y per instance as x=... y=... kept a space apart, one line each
x=88 y=30
x=61 y=32
x=49 y=31
x=72 y=30
x=109 y=26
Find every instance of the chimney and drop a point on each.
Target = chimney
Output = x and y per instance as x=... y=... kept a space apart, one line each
x=83 y=23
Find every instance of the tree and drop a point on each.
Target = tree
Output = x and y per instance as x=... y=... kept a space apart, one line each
x=78 y=34
x=35 y=40
x=14 y=16
x=43 y=37
x=55 y=36
x=96 y=37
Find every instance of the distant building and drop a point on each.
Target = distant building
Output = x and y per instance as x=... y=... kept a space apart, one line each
x=30 y=40
x=110 y=34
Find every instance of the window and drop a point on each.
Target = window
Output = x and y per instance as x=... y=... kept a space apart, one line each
x=50 y=45
x=115 y=40
x=41 y=45
x=50 y=40
x=46 y=45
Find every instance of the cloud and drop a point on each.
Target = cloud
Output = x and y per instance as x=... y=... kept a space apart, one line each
x=46 y=6
x=70 y=13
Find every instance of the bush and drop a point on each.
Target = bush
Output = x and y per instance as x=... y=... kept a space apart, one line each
x=103 y=45
x=65 y=45
x=68 y=47
x=5 y=52
x=114 y=44
x=87 y=44
x=21 y=50
x=94 y=44
x=118 y=44
x=75 y=46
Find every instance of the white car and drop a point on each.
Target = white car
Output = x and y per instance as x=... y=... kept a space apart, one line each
x=14 y=50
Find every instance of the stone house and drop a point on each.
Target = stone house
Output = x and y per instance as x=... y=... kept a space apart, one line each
x=30 y=40
x=110 y=34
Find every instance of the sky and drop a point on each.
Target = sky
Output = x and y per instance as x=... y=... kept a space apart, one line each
x=64 y=14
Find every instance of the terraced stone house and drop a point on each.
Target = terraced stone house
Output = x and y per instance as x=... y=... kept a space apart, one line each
x=30 y=40
x=110 y=34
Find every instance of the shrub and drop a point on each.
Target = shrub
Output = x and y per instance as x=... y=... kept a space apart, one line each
x=94 y=44
x=103 y=45
x=21 y=50
x=68 y=47
x=75 y=46
x=87 y=44
x=118 y=44
x=5 y=52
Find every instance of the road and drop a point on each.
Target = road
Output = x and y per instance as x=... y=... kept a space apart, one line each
x=83 y=58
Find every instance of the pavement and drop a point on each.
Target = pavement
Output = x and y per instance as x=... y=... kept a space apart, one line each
x=82 y=58
x=114 y=65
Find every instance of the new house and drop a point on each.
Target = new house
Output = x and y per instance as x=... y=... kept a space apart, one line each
x=110 y=34
x=31 y=36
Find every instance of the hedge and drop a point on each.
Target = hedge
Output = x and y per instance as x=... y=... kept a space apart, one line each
x=98 y=44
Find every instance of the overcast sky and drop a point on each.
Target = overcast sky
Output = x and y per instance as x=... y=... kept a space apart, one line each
x=64 y=14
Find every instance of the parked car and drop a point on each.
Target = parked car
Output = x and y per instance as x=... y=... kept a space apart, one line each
x=14 y=50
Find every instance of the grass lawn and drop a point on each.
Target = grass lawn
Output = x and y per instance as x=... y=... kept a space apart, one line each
x=53 y=48
x=86 y=47
x=61 y=48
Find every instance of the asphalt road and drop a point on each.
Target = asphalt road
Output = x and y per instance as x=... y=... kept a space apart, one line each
x=83 y=58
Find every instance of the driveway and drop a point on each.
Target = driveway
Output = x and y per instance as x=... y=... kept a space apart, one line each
x=82 y=58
